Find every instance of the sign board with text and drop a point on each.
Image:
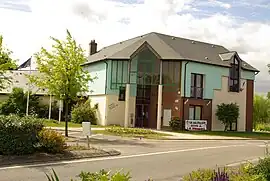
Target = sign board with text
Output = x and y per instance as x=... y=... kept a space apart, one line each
x=86 y=127
x=196 y=125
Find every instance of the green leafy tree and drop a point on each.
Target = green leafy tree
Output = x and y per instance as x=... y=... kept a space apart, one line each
x=227 y=114
x=261 y=109
x=6 y=63
x=61 y=72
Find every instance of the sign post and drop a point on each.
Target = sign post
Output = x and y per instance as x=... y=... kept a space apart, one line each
x=86 y=127
x=196 y=125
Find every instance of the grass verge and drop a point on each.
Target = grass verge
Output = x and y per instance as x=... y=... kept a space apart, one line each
x=250 y=135
x=131 y=132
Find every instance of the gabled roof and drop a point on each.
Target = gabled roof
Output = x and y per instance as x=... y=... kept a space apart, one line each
x=170 y=48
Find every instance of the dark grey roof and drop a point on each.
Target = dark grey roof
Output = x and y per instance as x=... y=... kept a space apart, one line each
x=170 y=48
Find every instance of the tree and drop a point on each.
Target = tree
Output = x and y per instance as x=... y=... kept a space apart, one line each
x=227 y=114
x=261 y=109
x=61 y=72
x=6 y=63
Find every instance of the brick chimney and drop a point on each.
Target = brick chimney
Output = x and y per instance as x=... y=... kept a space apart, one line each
x=92 y=47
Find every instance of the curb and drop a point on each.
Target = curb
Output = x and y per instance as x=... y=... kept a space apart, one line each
x=28 y=161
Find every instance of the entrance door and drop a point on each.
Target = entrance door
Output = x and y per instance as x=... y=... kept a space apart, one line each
x=142 y=115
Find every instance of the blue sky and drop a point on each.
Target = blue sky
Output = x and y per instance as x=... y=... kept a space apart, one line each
x=241 y=25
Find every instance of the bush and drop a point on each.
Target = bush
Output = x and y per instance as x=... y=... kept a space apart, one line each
x=16 y=103
x=262 y=168
x=132 y=131
x=227 y=114
x=175 y=123
x=262 y=127
x=18 y=136
x=51 y=141
x=83 y=112
x=102 y=175
x=43 y=111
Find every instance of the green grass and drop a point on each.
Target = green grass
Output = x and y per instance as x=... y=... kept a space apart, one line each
x=54 y=123
x=252 y=135
x=131 y=132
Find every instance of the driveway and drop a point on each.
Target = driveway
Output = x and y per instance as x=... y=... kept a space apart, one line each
x=160 y=160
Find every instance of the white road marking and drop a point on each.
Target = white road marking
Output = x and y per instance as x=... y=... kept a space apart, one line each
x=117 y=157
x=243 y=162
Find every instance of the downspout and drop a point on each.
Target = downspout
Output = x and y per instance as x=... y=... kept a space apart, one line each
x=106 y=76
x=183 y=104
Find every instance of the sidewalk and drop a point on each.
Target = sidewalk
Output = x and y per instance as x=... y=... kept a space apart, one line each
x=186 y=136
x=73 y=129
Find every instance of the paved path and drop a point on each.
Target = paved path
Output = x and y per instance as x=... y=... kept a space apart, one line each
x=161 y=160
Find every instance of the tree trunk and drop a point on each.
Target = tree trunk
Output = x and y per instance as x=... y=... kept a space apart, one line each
x=66 y=118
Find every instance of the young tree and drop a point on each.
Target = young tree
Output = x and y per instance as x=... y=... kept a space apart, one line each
x=61 y=72
x=261 y=109
x=6 y=63
x=227 y=114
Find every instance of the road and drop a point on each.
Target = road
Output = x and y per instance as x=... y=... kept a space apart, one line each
x=160 y=160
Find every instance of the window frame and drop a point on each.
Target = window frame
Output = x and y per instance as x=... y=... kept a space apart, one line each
x=234 y=76
x=193 y=86
x=194 y=111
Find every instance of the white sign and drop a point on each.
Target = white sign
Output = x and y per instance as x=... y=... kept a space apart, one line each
x=196 y=125
x=86 y=126
x=167 y=116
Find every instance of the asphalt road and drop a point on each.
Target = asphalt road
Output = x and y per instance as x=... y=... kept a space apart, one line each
x=160 y=160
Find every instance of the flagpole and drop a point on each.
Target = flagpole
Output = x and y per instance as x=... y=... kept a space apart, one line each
x=28 y=92
x=50 y=107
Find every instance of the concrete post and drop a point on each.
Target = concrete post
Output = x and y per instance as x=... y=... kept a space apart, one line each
x=127 y=105
x=159 y=108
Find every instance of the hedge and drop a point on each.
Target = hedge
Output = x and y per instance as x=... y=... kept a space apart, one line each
x=19 y=135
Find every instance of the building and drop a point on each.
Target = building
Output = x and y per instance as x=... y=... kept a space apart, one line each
x=145 y=80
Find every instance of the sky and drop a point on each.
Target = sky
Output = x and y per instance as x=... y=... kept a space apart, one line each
x=239 y=25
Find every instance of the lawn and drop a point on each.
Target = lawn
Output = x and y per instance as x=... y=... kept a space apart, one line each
x=131 y=132
x=54 y=123
x=252 y=135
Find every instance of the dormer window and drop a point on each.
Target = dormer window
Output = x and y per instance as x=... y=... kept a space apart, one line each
x=234 y=77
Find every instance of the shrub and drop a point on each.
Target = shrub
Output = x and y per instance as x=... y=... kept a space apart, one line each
x=102 y=175
x=227 y=114
x=262 y=127
x=133 y=131
x=175 y=123
x=83 y=112
x=201 y=174
x=262 y=168
x=51 y=141
x=18 y=135
x=16 y=103
x=43 y=111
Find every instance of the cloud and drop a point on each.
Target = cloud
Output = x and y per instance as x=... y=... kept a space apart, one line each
x=110 y=21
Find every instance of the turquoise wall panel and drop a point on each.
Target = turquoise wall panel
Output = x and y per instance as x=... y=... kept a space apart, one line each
x=212 y=77
x=97 y=70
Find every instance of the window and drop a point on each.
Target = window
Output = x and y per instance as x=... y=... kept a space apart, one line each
x=195 y=112
x=196 y=90
x=122 y=94
x=119 y=73
x=234 y=77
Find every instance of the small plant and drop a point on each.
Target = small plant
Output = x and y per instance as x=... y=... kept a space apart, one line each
x=83 y=112
x=227 y=114
x=51 y=141
x=52 y=177
x=175 y=123
x=221 y=175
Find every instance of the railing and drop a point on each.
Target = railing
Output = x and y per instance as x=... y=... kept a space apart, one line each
x=196 y=92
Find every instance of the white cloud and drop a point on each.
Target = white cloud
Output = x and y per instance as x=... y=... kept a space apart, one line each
x=102 y=20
